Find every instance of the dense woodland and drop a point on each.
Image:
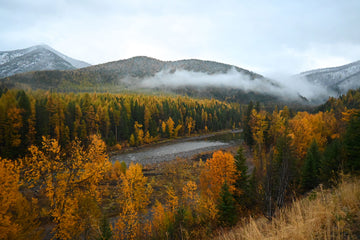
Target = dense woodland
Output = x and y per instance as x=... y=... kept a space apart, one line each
x=56 y=180
x=25 y=117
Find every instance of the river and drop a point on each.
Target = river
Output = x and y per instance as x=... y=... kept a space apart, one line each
x=182 y=148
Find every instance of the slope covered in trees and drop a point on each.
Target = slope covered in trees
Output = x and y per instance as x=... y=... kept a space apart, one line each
x=25 y=117
x=325 y=214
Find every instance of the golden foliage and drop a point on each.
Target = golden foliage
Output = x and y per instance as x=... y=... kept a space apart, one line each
x=135 y=187
x=128 y=225
x=9 y=195
x=170 y=126
x=66 y=180
x=172 y=200
x=136 y=196
x=306 y=127
x=258 y=126
x=190 y=193
x=217 y=170
x=159 y=221
x=117 y=170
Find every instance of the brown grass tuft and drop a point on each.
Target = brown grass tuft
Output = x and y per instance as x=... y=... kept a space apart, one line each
x=323 y=214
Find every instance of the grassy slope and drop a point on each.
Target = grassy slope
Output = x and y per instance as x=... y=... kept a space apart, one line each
x=324 y=214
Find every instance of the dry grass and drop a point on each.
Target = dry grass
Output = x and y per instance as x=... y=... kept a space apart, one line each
x=331 y=214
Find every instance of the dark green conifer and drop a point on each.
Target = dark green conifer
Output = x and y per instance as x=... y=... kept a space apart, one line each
x=332 y=162
x=226 y=207
x=242 y=194
x=352 y=144
x=310 y=170
x=105 y=229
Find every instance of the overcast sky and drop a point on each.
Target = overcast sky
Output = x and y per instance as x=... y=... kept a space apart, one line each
x=268 y=37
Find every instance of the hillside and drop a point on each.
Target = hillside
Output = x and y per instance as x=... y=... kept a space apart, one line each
x=195 y=78
x=323 y=214
x=36 y=58
x=338 y=79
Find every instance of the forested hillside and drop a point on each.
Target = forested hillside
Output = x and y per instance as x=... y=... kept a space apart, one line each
x=124 y=119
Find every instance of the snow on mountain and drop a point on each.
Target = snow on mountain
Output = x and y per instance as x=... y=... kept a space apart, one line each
x=74 y=62
x=36 y=58
x=339 y=79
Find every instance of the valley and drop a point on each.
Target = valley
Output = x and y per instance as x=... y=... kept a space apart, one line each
x=179 y=148
x=148 y=149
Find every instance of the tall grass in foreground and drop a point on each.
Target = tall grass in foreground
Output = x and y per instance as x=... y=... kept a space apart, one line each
x=323 y=214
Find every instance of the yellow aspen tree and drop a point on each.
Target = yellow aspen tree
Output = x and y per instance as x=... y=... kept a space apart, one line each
x=9 y=194
x=207 y=209
x=190 y=124
x=217 y=170
x=172 y=200
x=176 y=130
x=132 y=140
x=159 y=221
x=170 y=126
x=116 y=170
x=18 y=216
x=136 y=196
x=306 y=127
x=135 y=187
x=258 y=125
x=163 y=127
x=66 y=180
x=139 y=133
x=147 y=138
x=128 y=225
x=190 y=194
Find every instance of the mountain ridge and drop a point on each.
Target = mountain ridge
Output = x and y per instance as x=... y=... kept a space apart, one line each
x=207 y=66
x=193 y=77
x=35 y=58
x=339 y=79
x=179 y=77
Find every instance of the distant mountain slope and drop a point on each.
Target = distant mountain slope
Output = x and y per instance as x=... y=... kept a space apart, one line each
x=76 y=63
x=142 y=66
x=129 y=72
x=193 y=77
x=339 y=79
x=36 y=58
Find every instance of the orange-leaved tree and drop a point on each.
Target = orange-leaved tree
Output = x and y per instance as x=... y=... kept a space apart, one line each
x=307 y=127
x=70 y=183
x=9 y=194
x=136 y=196
x=217 y=170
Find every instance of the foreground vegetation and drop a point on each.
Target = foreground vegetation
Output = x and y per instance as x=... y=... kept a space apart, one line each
x=70 y=190
x=322 y=214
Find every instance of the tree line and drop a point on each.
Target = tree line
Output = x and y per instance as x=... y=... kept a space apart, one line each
x=124 y=119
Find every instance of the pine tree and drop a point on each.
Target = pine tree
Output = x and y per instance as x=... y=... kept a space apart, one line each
x=248 y=136
x=310 y=170
x=226 y=207
x=105 y=229
x=241 y=194
x=332 y=162
x=352 y=144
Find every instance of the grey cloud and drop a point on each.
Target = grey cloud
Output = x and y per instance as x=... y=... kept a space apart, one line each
x=288 y=87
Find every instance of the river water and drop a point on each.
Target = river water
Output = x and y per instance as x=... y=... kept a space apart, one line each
x=182 y=148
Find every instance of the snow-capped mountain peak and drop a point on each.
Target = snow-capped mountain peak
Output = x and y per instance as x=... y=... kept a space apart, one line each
x=339 y=79
x=36 y=58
